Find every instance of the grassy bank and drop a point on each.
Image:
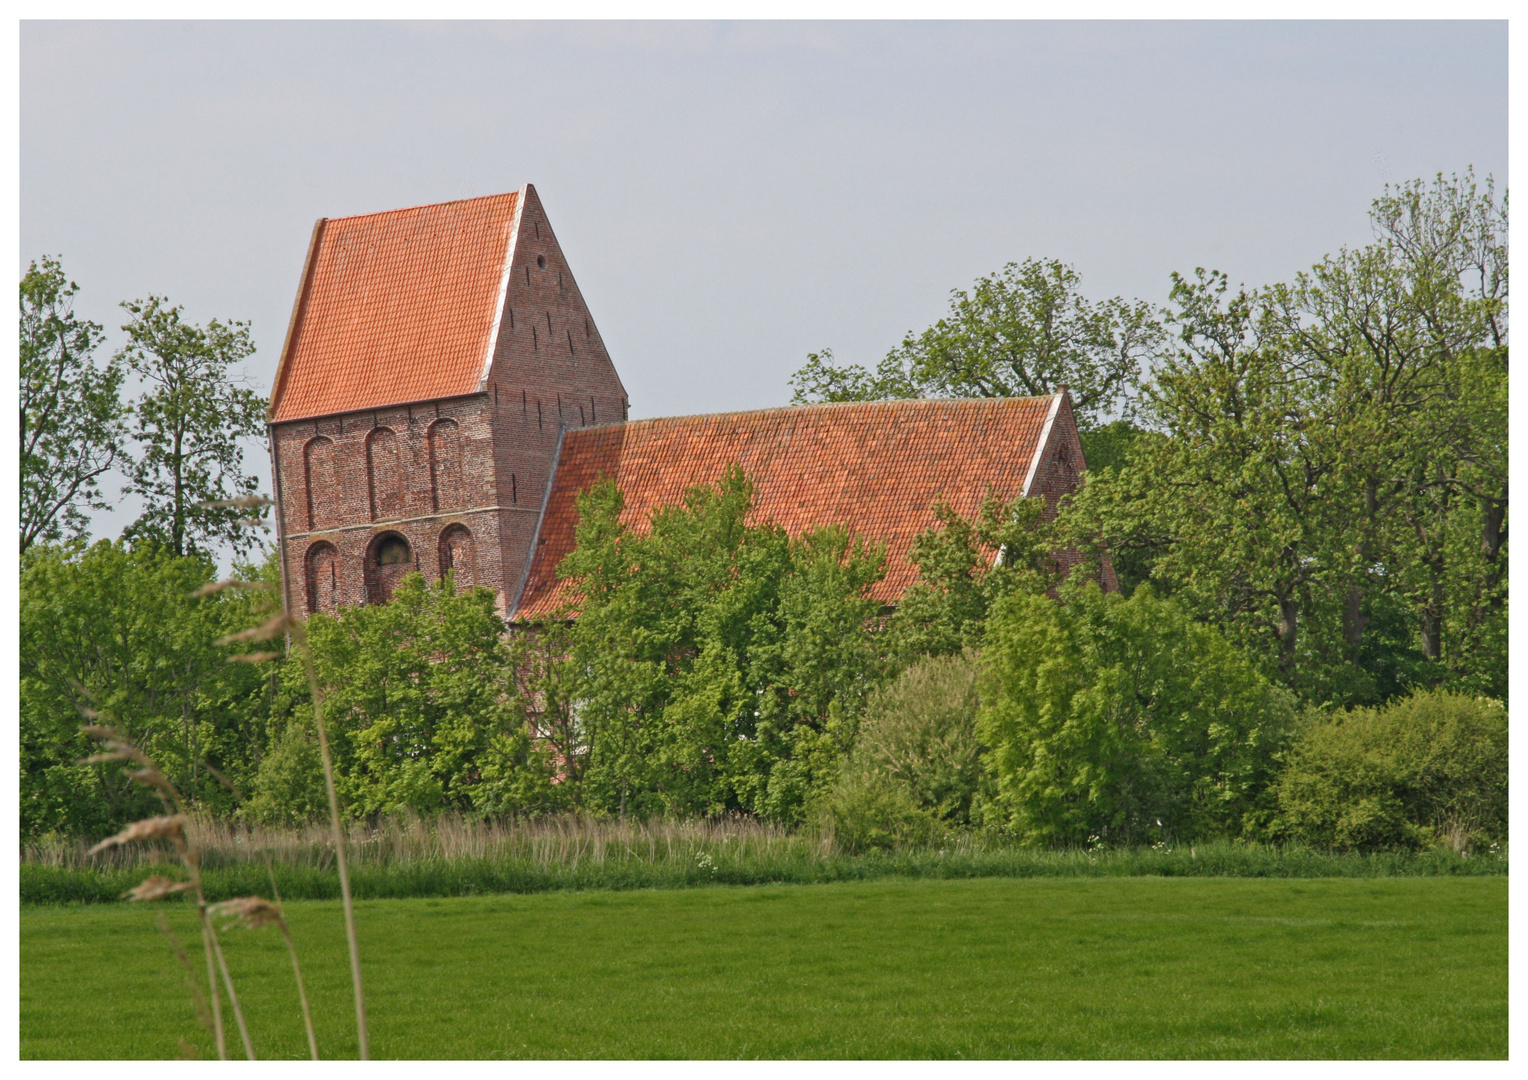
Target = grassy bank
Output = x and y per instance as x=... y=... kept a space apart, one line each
x=1059 y=968
x=456 y=857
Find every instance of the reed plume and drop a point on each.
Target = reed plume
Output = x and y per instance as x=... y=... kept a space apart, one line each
x=170 y=827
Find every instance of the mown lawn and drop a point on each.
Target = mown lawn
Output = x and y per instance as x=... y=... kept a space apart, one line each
x=991 y=968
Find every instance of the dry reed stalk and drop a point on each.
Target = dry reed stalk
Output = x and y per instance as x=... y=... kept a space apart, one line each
x=300 y=639
x=553 y=842
x=172 y=827
x=256 y=911
x=198 y=1002
x=284 y=623
x=233 y=998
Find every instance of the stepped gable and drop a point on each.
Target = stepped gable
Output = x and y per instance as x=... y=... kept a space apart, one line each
x=395 y=308
x=877 y=468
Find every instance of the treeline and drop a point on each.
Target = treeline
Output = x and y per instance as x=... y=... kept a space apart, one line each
x=719 y=667
x=1302 y=489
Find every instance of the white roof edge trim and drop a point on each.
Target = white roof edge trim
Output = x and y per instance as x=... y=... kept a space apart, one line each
x=1044 y=440
x=498 y=310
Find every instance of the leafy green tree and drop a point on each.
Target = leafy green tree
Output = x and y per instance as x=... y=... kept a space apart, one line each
x=716 y=665
x=420 y=705
x=1021 y=332
x=188 y=426
x=963 y=567
x=71 y=410
x=1430 y=766
x=1122 y=720
x=1326 y=474
x=117 y=630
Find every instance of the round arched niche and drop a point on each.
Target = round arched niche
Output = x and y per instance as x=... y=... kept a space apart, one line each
x=457 y=556
x=321 y=482
x=388 y=558
x=383 y=477
x=445 y=444
x=321 y=576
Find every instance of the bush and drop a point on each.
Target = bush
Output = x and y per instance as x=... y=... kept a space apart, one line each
x=719 y=666
x=1432 y=766
x=919 y=734
x=1122 y=720
x=864 y=812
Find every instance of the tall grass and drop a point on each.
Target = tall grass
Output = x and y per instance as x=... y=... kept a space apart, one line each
x=456 y=856
x=565 y=841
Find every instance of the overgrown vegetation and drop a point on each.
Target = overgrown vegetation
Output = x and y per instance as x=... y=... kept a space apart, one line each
x=449 y=855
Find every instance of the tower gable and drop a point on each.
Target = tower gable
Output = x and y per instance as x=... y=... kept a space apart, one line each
x=545 y=344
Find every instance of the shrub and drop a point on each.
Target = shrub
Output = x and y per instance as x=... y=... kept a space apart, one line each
x=865 y=812
x=919 y=733
x=1122 y=720
x=1429 y=766
x=118 y=630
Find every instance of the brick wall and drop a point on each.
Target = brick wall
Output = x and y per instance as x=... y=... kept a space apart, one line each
x=348 y=482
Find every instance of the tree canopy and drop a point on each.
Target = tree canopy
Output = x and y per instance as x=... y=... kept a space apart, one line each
x=1024 y=331
x=188 y=425
x=1325 y=471
x=71 y=411
x=719 y=665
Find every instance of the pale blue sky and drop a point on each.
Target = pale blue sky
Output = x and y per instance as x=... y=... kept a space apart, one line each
x=731 y=196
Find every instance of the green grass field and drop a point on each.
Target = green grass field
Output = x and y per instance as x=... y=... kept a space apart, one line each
x=992 y=968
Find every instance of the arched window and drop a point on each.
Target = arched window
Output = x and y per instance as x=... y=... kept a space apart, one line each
x=322 y=483
x=383 y=475
x=446 y=466
x=388 y=559
x=456 y=556
x=322 y=577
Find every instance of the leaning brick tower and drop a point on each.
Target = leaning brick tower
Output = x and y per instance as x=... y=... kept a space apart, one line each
x=435 y=358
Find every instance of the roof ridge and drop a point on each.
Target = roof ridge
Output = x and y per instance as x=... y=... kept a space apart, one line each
x=426 y=206
x=828 y=405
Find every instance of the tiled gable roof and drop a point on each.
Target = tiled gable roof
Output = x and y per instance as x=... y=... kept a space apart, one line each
x=395 y=307
x=877 y=468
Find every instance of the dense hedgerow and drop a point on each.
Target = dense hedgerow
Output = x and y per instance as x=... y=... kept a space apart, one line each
x=1428 y=767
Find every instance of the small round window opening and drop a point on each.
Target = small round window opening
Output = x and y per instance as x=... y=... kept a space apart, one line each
x=541 y=262
x=393 y=551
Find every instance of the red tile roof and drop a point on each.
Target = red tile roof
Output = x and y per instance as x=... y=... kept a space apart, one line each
x=395 y=307
x=877 y=468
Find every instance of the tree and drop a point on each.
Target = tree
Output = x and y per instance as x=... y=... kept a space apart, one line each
x=188 y=425
x=716 y=665
x=71 y=412
x=119 y=631
x=1326 y=474
x=963 y=567
x=1122 y=720
x=419 y=699
x=1024 y=331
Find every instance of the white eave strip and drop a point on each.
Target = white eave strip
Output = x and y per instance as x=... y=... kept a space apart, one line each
x=1040 y=444
x=498 y=311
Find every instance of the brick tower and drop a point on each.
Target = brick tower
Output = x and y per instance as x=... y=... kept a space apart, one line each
x=435 y=357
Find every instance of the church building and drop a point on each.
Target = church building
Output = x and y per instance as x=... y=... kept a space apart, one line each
x=444 y=394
